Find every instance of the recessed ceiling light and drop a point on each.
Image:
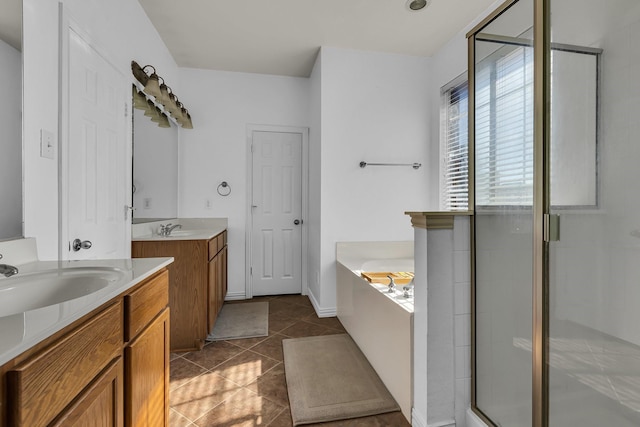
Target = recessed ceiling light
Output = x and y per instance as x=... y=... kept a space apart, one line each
x=416 y=5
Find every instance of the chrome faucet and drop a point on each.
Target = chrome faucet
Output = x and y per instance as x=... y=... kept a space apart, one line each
x=392 y=285
x=165 y=230
x=407 y=290
x=7 y=270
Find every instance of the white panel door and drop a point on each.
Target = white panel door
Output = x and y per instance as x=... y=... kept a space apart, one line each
x=276 y=243
x=96 y=159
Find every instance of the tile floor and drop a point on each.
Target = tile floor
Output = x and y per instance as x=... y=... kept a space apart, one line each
x=242 y=382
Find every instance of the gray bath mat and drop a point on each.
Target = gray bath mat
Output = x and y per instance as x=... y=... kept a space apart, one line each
x=329 y=379
x=242 y=320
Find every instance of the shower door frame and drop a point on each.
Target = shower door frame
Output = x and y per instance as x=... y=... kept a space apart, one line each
x=540 y=209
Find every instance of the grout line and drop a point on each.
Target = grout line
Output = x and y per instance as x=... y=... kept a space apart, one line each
x=277 y=416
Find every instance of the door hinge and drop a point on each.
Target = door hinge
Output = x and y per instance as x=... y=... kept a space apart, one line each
x=126 y=110
x=551 y=228
x=250 y=271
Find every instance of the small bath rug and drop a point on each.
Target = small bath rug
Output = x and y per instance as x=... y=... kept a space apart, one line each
x=329 y=379
x=242 y=320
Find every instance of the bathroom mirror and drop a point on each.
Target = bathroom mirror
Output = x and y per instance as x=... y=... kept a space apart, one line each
x=155 y=170
x=11 y=119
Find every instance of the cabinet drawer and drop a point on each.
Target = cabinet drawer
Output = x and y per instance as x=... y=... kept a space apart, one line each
x=213 y=247
x=143 y=304
x=42 y=386
x=217 y=243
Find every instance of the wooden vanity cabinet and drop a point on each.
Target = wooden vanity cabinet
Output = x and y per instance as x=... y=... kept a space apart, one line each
x=108 y=369
x=217 y=288
x=146 y=354
x=197 y=285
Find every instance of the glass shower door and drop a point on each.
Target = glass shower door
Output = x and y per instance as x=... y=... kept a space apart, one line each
x=503 y=133
x=594 y=267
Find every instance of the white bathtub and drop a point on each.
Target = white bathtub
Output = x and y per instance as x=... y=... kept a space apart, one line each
x=379 y=322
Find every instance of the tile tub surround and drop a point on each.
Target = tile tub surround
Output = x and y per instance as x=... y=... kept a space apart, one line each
x=380 y=323
x=442 y=386
x=205 y=229
x=24 y=330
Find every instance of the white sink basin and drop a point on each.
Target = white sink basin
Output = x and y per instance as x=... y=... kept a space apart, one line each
x=200 y=234
x=41 y=289
x=184 y=233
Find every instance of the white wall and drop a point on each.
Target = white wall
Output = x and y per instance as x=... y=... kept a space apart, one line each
x=10 y=141
x=222 y=104
x=121 y=30
x=374 y=108
x=314 y=222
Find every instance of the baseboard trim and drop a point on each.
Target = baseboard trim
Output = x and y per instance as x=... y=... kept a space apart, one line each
x=320 y=311
x=473 y=420
x=234 y=296
x=417 y=420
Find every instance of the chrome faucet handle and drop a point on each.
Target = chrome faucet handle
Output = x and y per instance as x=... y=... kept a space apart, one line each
x=408 y=289
x=392 y=285
x=8 y=270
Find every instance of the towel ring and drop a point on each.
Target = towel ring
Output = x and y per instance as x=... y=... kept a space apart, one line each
x=224 y=192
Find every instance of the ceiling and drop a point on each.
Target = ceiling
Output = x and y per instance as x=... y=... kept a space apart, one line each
x=282 y=37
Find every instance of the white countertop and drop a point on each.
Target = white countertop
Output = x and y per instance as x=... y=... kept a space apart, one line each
x=192 y=229
x=21 y=331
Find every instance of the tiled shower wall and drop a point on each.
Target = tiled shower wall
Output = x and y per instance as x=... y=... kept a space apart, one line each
x=462 y=316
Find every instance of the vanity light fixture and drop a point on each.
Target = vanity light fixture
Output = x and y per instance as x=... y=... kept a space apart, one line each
x=139 y=100
x=157 y=117
x=164 y=123
x=151 y=109
x=163 y=96
x=188 y=124
x=153 y=84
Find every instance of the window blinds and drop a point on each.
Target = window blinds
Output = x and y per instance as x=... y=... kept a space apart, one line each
x=504 y=131
x=504 y=128
x=455 y=183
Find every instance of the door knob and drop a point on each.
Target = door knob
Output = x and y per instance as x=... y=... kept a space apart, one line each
x=79 y=244
x=297 y=221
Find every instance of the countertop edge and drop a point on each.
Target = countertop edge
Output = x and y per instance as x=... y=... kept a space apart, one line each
x=101 y=298
x=204 y=235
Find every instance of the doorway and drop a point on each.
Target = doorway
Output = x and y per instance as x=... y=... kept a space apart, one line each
x=95 y=155
x=276 y=246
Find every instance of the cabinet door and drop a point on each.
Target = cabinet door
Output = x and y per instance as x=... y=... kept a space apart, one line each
x=213 y=293
x=223 y=273
x=219 y=282
x=100 y=405
x=187 y=288
x=70 y=364
x=147 y=376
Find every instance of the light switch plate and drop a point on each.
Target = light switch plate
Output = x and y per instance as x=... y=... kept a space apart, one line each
x=46 y=144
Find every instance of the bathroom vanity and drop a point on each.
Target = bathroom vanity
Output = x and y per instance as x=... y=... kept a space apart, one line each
x=100 y=359
x=197 y=279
